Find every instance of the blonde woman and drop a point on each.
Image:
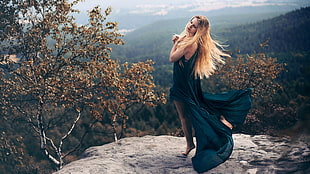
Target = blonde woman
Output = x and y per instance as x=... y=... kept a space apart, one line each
x=195 y=56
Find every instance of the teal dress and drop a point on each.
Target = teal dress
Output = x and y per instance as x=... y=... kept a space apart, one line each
x=214 y=142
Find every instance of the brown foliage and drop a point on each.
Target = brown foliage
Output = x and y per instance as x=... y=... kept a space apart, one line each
x=259 y=72
x=10 y=153
x=256 y=71
x=66 y=66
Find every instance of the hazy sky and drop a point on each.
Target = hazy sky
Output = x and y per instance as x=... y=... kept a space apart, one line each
x=162 y=7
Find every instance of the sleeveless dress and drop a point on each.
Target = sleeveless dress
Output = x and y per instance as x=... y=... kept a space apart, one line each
x=214 y=142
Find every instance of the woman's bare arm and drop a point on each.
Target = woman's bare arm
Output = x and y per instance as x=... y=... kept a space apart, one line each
x=177 y=53
x=174 y=54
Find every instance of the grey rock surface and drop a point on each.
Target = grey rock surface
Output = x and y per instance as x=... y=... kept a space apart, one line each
x=161 y=154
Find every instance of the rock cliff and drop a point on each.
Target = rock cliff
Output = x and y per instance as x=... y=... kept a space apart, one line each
x=160 y=154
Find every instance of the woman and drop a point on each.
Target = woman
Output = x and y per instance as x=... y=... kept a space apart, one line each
x=196 y=56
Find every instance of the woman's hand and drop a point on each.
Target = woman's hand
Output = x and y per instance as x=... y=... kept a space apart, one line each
x=177 y=53
x=175 y=37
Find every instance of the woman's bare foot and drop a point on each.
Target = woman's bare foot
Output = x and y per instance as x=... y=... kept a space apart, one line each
x=188 y=149
x=224 y=121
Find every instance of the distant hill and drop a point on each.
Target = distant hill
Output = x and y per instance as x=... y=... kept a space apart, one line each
x=288 y=35
x=128 y=20
x=286 y=32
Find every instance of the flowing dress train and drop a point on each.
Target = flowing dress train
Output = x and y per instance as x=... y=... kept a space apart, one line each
x=214 y=142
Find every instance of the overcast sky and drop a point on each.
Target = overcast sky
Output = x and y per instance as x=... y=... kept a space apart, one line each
x=161 y=7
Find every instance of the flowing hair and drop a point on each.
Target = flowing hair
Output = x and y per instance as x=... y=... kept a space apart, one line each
x=210 y=52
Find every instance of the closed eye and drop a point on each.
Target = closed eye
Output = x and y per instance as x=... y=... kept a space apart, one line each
x=193 y=24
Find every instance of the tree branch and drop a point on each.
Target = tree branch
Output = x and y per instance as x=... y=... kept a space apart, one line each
x=81 y=140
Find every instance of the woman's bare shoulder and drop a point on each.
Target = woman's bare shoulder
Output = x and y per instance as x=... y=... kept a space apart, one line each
x=190 y=51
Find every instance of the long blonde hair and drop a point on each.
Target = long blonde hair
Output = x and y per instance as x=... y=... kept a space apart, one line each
x=210 y=52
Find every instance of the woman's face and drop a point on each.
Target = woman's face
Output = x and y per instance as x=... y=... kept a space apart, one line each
x=192 y=26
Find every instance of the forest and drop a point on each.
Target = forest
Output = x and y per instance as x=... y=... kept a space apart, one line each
x=103 y=111
x=285 y=37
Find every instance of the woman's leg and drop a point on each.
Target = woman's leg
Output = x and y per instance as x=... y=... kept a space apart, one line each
x=186 y=126
x=224 y=121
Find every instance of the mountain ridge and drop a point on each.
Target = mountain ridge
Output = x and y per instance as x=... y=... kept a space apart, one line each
x=129 y=21
x=153 y=41
x=287 y=32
